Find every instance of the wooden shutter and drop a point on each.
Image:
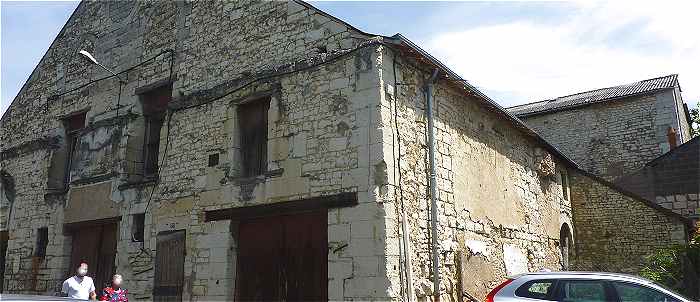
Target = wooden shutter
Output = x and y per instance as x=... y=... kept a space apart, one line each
x=155 y=104
x=170 y=266
x=63 y=157
x=105 y=255
x=283 y=258
x=152 y=144
x=252 y=119
x=3 y=251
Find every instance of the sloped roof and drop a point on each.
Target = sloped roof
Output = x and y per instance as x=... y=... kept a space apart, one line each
x=596 y=96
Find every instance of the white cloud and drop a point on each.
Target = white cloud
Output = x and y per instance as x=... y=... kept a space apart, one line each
x=599 y=45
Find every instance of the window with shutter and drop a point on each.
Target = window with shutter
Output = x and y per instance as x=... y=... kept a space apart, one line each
x=252 y=119
x=155 y=104
x=73 y=125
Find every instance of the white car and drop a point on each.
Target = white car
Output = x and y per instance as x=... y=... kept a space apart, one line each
x=581 y=287
x=25 y=298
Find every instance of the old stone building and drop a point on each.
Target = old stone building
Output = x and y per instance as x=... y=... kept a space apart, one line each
x=616 y=130
x=256 y=145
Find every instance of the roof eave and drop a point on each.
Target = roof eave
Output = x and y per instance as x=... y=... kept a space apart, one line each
x=575 y=106
x=400 y=39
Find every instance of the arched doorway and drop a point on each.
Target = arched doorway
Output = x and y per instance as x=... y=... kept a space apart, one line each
x=565 y=245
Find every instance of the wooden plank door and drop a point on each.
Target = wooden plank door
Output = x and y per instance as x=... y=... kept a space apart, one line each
x=305 y=257
x=283 y=258
x=170 y=266
x=105 y=256
x=3 y=251
x=96 y=245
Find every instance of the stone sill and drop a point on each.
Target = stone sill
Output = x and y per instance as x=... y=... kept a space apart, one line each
x=258 y=178
x=56 y=191
x=93 y=179
x=145 y=182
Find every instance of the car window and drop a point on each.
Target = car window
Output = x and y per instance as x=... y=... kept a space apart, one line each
x=582 y=291
x=536 y=289
x=629 y=292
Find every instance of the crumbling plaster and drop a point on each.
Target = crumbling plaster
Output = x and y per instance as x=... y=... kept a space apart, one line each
x=497 y=214
x=338 y=122
x=320 y=137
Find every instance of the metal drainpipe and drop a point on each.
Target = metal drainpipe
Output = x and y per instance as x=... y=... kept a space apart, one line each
x=433 y=184
x=408 y=271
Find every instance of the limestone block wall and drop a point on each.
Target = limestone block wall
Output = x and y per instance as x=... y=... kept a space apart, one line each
x=322 y=138
x=497 y=216
x=614 y=231
x=31 y=211
x=612 y=138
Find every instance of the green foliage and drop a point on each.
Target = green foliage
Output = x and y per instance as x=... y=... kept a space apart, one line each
x=695 y=120
x=666 y=265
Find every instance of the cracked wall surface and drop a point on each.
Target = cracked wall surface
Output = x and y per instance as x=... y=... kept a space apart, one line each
x=322 y=81
x=342 y=118
x=497 y=215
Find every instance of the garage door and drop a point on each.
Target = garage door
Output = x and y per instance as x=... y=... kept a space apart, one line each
x=283 y=258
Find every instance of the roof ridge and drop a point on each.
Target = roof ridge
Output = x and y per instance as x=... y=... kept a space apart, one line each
x=530 y=103
x=620 y=85
x=583 y=98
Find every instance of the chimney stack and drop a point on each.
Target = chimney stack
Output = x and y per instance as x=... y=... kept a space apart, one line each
x=671 y=135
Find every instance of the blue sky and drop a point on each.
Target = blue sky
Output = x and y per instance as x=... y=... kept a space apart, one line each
x=516 y=52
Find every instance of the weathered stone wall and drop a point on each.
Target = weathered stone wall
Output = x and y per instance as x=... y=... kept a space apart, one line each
x=614 y=231
x=7 y=197
x=338 y=122
x=322 y=138
x=612 y=138
x=497 y=215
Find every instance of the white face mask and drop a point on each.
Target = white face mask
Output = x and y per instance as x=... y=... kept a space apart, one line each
x=82 y=271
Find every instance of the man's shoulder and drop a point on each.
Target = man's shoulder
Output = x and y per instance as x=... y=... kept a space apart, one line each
x=88 y=278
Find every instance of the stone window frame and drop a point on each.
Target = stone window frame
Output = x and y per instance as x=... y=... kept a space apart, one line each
x=255 y=133
x=72 y=138
x=235 y=155
x=42 y=242
x=565 y=185
x=154 y=113
x=138 y=227
x=149 y=116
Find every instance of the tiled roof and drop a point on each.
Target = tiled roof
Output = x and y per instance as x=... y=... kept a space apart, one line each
x=595 y=96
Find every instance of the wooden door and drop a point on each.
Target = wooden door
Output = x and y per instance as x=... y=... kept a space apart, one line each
x=170 y=266
x=97 y=246
x=3 y=251
x=283 y=258
x=105 y=256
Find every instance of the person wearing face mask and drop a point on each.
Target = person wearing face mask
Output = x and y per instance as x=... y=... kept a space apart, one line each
x=115 y=293
x=79 y=286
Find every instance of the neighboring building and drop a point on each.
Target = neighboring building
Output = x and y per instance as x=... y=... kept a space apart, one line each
x=266 y=150
x=613 y=131
x=672 y=180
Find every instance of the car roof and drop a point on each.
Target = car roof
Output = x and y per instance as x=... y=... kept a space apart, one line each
x=585 y=275
x=14 y=297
